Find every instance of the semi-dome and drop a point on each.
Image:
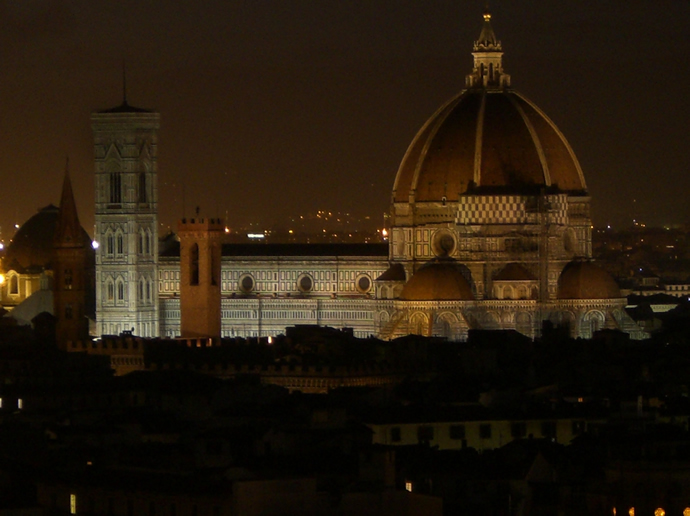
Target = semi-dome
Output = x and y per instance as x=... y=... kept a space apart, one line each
x=514 y=272
x=584 y=280
x=488 y=138
x=437 y=281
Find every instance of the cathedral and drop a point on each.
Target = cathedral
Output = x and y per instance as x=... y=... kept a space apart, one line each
x=490 y=228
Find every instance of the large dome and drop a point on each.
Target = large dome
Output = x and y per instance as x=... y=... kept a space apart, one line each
x=32 y=245
x=487 y=139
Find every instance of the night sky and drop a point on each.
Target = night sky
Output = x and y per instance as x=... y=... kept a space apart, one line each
x=273 y=108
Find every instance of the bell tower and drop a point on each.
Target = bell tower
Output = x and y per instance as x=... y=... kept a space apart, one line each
x=126 y=167
x=70 y=271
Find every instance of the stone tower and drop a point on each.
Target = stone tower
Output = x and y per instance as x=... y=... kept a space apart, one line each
x=200 y=253
x=125 y=152
x=70 y=270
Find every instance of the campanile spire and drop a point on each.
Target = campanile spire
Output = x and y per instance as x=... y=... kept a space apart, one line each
x=488 y=59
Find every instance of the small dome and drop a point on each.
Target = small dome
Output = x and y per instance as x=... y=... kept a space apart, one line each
x=437 y=281
x=514 y=272
x=584 y=280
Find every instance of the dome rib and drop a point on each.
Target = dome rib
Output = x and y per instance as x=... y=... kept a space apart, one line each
x=424 y=137
x=479 y=141
x=494 y=140
x=537 y=141
x=562 y=140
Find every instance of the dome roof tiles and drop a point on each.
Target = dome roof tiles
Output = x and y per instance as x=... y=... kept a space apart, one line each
x=491 y=139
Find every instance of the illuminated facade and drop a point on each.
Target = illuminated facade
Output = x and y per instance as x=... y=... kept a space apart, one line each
x=491 y=220
x=125 y=151
x=490 y=229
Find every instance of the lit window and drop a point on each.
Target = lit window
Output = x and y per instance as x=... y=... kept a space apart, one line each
x=408 y=486
x=20 y=404
x=68 y=279
x=631 y=511
x=660 y=512
x=73 y=504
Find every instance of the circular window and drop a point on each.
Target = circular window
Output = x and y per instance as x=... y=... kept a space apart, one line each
x=443 y=243
x=364 y=283
x=305 y=283
x=246 y=283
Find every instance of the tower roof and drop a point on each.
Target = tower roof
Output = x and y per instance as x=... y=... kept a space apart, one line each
x=487 y=39
x=126 y=108
x=68 y=231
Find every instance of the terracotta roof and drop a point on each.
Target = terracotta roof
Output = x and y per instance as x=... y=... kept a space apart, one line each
x=584 y=280
x=375 y=251
x=490 y=139
x=437 y=281
x=514 y=272
x=32 y=245
x=396 y=272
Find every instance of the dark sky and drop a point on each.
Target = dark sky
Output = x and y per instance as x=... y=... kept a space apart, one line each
x=277 y=107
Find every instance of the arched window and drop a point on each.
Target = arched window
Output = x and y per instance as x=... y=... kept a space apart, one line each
x=194 y=265
x=110 y=244
x=120 y=244
x=522 y=292
x=140 y=242
x=141 y=289
x=115 y=188
x=120 y=291
x=148 y=290
x=14 y=284
x=68 y=312
x=110 y=291
x=142 y=187
x=147 y=241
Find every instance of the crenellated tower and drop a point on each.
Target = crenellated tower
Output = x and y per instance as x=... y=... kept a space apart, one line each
x=125 y=152
x=200 y=255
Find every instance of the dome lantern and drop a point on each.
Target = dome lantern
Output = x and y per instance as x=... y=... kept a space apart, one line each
x=488 y=60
